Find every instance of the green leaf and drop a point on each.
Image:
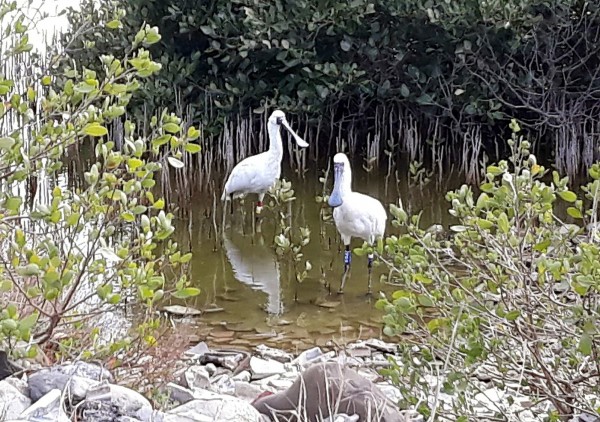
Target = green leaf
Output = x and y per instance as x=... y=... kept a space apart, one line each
x=425 y=301
x=29 y=321
x=114 y=24
x=6 y=286
x=95 y=129
x=193 y=148
x=186 y=292
x=542 y=246
x=503 y=223
x=171 y=127
x=585 y=344
x=134 y=163
x=6 y=142
x=28 y=270
x=568 y=196
x=574 y=212
x=13 y=203
x=513 y=315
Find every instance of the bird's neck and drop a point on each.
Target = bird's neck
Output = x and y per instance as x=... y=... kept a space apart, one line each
x=346 y=181
x=275 y=146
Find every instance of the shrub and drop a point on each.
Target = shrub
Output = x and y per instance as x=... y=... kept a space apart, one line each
x=72 y=250
x=512 y=296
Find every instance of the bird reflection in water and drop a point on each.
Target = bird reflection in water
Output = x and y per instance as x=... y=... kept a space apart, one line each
x=255 y=264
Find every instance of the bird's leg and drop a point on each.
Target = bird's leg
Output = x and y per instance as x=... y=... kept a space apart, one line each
x=370 y=269
x=347 y=262
x=259 y=204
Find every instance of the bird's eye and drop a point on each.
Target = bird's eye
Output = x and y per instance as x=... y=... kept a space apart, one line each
x=279 y=120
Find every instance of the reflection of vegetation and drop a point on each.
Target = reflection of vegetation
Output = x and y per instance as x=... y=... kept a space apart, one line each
x=389 y=72
x=511 y=297
x=74 y=253
x=290 y=242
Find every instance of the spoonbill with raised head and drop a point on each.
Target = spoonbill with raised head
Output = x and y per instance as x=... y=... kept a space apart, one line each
x=256 y=174
x=355 y=214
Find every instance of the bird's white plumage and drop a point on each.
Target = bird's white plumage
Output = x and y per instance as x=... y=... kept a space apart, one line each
x=256 y=174
x=359 y=215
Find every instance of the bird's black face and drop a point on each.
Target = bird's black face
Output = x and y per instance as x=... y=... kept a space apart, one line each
x=279 y=120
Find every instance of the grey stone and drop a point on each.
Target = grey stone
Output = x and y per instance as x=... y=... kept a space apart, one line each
x=262 y=368
x=242 y=376
x=211 y=368
x=179 y=394
x=281 y=383
x=197 y=376
x=246 y=391
x=327 y=386
x=223 y=384
x=198 y=350
x=308 y=356
x=12 y=400
x=128 y=402
x=78 y=377
x=381 y=345
x=7 y=368
x=341 y=417
x=267 y=352
x=98 y=411
x=46 y=409
x=211 y=406
x=587 y=417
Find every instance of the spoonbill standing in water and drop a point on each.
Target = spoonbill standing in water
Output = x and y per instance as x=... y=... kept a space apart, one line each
x=354 y=214
x=256 y=174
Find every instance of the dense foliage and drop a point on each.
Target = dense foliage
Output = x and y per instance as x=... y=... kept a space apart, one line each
x=75 y=251
x=461 y=69
x=511 y=297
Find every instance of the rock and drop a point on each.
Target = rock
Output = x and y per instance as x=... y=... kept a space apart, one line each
x=46 y=409
x=78 y=377
x=280 y=383
x=223 y=384
x=97 y=411
x=381 y=345
x=210 y=406
x=128 y=402
x=197 y=376
x=267 y=352
x=391 y=392
x=341 y=417
x=211 y=368
x=262 y=368
x=411 y=415
x=359 y=351
x=181 y=310
x=326 y=386
x=242 y=376
x=308 y=355
x=229 y=359
x=198 y=350
x=7 y=368
x=179 y=394
x=246 y=391
x=40 y=383
x=12 y=400
x=587 y=417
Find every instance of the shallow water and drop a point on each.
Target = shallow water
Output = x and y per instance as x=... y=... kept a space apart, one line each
x=248 y=293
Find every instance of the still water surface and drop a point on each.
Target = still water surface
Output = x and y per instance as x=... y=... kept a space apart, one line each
x=248 y=293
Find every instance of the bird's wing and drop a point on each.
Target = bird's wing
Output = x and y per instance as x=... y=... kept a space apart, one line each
x=244 y=174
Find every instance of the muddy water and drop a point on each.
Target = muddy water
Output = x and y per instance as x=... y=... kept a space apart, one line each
x=248 y=292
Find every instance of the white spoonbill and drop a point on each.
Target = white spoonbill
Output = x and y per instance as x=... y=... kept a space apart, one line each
x=256 y=174
x=355 y=214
